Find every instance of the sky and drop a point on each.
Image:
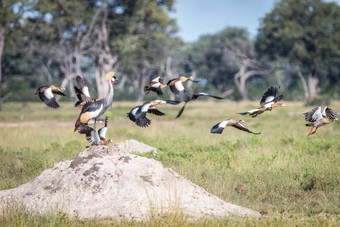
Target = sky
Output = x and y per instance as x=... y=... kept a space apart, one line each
x=201 y=17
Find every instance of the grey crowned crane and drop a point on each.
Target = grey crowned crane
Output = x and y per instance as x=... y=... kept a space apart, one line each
x=46 y=94
x=81 y=90
x=318 y=118
x=268 y=102
x=94 y=109
x=194 y=97
x=219 y=127
x=155 y=85
x=94 y=137
x=138 y=113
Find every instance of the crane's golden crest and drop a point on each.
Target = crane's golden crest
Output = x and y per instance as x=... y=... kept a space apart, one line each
x=109 y=75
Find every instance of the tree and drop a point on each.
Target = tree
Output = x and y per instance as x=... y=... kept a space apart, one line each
x=133 y=36
x=227 y=57
x=307 y=33
x=62 y=34
x=11 y=12
x=102 y=34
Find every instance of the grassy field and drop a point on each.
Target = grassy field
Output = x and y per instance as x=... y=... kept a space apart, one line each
x=290 y=178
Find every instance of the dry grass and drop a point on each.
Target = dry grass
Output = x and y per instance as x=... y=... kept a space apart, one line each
x=290 y=178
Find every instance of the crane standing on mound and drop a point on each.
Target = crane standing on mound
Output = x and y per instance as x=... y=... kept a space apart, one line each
x=94 y=109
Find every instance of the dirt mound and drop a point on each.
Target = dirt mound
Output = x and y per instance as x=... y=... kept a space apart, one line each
x=134 y=146
x=110 y=182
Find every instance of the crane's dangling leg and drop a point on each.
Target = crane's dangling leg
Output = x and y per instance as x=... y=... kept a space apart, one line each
x=95 y=122
x=95 y=131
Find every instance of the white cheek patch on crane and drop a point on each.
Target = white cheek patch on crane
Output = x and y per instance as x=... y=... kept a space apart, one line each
x=179 y=86
x=48 y=93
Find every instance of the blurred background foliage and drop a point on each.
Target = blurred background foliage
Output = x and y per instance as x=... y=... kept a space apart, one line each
x=50 y=42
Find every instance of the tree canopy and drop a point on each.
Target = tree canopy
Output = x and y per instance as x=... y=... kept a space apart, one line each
x=45 y=42
x=306 y=32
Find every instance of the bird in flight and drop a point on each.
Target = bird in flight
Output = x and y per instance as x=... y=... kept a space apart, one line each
x=155 y=85
x=268 y=102
x=81 y=90
x=219 y=127
x=318 y=118
x=46 y=94
x=138 y=113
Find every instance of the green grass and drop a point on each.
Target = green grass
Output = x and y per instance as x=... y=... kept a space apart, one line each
x=292 y=179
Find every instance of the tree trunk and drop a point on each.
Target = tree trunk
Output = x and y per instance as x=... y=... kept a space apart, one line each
x=169 y=75
x=313 y=88
x=240 y=82
x=2 y=45
x=101 y=82
x=304 y=84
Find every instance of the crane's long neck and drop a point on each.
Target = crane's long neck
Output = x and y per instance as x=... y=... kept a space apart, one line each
x=109 y=97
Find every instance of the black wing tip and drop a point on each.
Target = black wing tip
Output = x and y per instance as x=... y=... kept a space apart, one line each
x=195 y=81
x=243 y=113
x=143 y=122
x=77 y=103
x=217 y=97
x=216 y=130
x=52 y=103
x=173 y=102
x=181 y=110
x=159 y=92
x=219 y=131
x=54 y=107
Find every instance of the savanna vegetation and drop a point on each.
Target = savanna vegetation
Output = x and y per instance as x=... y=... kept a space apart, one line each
x=45 y=42
x=290 y=178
